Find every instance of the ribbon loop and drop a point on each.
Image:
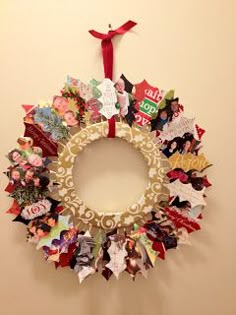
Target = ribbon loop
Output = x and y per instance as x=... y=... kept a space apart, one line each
x=107 y=54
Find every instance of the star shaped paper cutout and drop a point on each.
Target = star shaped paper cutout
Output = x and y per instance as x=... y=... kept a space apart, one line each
x=186 y=192
x=96 y=92
x=168 y=95
x=63 y=224
x=140 y=233
x=14 y=209
x=107 y=273
x=183 y=236
x=85 y=272
x=72 y=105
x=177 y=128
x=28 y=108
x=199 y=132
x=160 y=248
x=85 y=91
x=117 y=253
x=182 y=221
x=41 y=139
x=188 y=161
x=72 y=81
x=128 y=85
x=64 y=259
x=108 y=99
x=145 y=90
x=20 y=218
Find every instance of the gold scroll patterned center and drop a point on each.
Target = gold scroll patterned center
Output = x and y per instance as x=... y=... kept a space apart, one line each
x=73 y=205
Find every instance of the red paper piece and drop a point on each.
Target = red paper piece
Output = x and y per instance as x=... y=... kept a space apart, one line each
x=28 y=108
x=144 y=89
x=206 y=182
x=10 y=187
x=64 y=259
x=141 y=118
x=178 y=175
x=15 y=209
x=159 y=247
x=200 y=131
x=59 y=209
x=40 y=139
x=111 y=127
x=147 y=97
x=107 y=273
x=107 y=48
x=182 y=221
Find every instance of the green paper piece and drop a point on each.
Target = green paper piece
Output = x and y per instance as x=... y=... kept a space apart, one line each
x=148 y=107
x=96 y=92
x=136 y=226
x=147 y=243
x=117 y=105
x=169 y=95
x=51 y=123
x=98 y=242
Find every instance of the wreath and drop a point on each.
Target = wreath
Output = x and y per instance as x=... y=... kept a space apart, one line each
x=41 y=181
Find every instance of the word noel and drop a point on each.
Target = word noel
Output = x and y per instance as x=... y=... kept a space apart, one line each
x=148 y=106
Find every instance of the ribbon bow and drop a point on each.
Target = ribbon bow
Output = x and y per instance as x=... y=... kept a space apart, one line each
x=107 y=47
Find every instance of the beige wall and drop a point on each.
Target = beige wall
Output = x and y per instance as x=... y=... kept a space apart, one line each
x=187 y=45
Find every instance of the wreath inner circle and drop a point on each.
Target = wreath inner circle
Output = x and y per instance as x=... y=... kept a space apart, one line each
x=110 y=174
x=73 y=205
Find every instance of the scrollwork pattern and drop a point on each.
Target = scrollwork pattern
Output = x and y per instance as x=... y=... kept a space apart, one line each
x=157 y=163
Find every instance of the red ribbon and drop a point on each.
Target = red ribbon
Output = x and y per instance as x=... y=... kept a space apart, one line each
x=107 y=54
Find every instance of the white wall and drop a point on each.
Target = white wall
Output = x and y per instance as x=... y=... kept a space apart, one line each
x=186 y=45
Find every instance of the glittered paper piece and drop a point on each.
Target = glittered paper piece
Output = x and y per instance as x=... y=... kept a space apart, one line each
x=188 y=161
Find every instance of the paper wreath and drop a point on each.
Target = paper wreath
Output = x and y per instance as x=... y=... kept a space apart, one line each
x=88 y=240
